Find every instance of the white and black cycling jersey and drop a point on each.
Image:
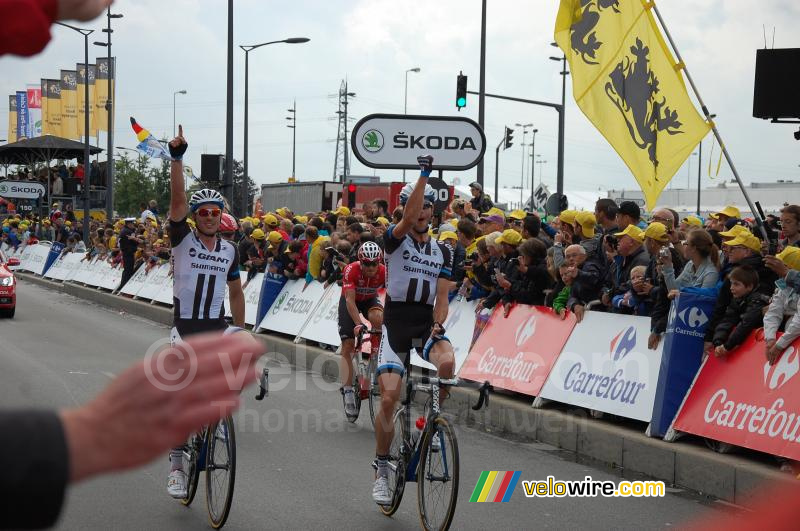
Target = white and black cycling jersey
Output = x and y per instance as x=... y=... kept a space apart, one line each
x=199 y=279
x=413 y=268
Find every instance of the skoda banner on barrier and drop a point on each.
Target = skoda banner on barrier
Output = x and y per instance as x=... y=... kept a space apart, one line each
x=683 y=353
x=517 y=352
x=295 y=303
x=323 y=326
x=607 y=366
x=394 y=141
x=741 y=399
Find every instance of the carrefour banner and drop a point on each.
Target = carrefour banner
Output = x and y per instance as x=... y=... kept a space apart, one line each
x=607 y=366
x=293 y=307
x=518 y=352
x=683 y=354
x=741 y=399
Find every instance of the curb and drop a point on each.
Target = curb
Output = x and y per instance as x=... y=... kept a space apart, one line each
x=730 y=478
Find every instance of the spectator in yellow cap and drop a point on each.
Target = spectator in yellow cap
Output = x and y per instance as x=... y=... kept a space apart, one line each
x=515 y=219
x=783 y=308
x=566 y=221
x=342 y=211
x=448 y=237
x=630 y=253
x=585 y=223
x=690 y=223
x=505 y=267
x=582 y=231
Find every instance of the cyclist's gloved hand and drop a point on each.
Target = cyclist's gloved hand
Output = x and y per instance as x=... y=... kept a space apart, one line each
x=425 y=164
x=357 y=329
x=178 y=145
x=438 y=331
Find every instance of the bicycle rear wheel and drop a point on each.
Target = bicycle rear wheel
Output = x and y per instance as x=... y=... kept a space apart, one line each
x=191 y=455
x=397 y=463
x=437 y=480
x=374 y=389
x=220 y=471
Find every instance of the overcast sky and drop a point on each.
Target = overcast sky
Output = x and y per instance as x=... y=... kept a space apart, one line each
x=164 y=46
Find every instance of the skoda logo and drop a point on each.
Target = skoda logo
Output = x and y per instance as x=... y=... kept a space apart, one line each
x=372 y=140
x=277 y=306
x=192 y=252
x=3 y=189
x=623 y=343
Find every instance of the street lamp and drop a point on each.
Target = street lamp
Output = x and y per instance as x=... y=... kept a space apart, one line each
x=564 y=74
x=293 y=126
x=173 y=108
x=689 y=171
x=247 y=49
x=540 y=163
x=533 y=150
x=522 y=171
x=416 y=69
x=110 y=114
x=86 y=167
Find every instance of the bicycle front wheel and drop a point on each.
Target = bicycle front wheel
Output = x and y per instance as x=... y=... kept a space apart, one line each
x=397 y=463
x=220 y=471
x=191 y=455
x=437 y=479
x=374 y=390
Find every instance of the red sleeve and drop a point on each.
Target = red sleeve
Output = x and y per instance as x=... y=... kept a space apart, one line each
x=26 y=25
x=350 y=276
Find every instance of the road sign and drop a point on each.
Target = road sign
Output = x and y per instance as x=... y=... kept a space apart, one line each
x=396 y=140
x=540 y=197
x=442 y=194
x=21 y=189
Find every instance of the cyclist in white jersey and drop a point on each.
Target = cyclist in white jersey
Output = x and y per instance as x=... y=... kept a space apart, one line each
x=203 y=265
x=418 y=271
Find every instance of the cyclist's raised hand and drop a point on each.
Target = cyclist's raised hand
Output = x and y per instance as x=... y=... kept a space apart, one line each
x=178 y=145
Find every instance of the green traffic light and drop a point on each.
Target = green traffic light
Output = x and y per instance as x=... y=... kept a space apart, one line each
x=461 y=102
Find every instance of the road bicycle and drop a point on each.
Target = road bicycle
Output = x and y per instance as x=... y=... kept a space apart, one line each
x=213 y=450
x=364 y=383
x=431 y=458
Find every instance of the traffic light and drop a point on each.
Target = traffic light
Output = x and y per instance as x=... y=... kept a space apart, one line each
x=563 y=204
x=509 y=138
x=461 y=91
x=351 y=195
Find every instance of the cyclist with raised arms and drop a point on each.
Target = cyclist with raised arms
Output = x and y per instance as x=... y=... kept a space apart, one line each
x=202 y=264
x=418 y=280
x=361 y=281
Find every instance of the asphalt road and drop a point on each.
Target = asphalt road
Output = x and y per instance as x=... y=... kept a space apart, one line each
x=300 y=464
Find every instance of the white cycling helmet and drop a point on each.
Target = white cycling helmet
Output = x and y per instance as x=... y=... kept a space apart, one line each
x=405 y=193
x=206 y=195
x=370 y=252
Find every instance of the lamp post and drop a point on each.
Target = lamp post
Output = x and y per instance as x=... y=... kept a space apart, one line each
x=416 y=69
x=293 y=127
x=540 y=163
x=110 y=114
x=533 y=150
x=86 y=167
x=173 y=108
x=562 y=111
x=247 y=49
x=522 y=170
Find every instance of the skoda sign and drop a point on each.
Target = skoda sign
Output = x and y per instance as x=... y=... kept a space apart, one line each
x=394 y=141
x=21 y=189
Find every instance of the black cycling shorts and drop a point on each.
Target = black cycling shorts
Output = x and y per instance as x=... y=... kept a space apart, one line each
x=346 y=324
x=406 y=325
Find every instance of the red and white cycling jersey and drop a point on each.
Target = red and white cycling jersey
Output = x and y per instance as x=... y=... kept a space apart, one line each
x=366 y=288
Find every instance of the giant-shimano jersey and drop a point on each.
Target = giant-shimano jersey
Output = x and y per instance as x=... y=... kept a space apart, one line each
x=199 y=280
x=413 y=268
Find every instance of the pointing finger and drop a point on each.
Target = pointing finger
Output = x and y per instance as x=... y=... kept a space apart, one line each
x=180 y=130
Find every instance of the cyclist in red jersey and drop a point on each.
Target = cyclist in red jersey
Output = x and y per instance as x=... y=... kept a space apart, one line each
x=361 y=281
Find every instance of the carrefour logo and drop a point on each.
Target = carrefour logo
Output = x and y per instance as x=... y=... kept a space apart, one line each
x=525 y=330
x=787 y=366
x=623 y=343
x=693 y=317
x=372 y=140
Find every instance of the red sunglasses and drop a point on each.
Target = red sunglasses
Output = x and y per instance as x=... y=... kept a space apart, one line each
x=209 y=212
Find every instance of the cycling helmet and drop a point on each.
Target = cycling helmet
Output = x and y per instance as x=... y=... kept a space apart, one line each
x=228 y=223
x=369 y=252
x=206 y=195
x=405 y=193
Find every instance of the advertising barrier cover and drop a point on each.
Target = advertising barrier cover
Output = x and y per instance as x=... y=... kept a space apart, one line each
x=294 y=305
x=517 y=352
x=136 y=282
x=607 y=366
x=743 y=400
x=323 y=324
x=459 y=326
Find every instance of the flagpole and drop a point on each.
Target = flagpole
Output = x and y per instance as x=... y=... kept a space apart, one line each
x=711 y=122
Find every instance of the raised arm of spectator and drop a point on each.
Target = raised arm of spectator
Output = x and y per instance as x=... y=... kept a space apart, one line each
x=178 y=205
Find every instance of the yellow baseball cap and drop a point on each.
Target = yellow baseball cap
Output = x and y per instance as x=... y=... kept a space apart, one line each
x=269 y=219
x=587 y=221
x=693 y=221
x=448 y=235
x=274 y=237
x=382 y=220
x=509 y=236
x=258 y=234
x=68 y=223
x=735 y=231
x=494 y=211
x=657 y=231
x=517 y=214
x=730 y=211
x=633 y=231
x=301 y=219
x=342 y=211
x=791 y=257
x=282 y=212
x=745 y=239
x=567 y=216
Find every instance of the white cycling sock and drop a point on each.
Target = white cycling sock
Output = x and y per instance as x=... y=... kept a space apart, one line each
x=176 y=459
